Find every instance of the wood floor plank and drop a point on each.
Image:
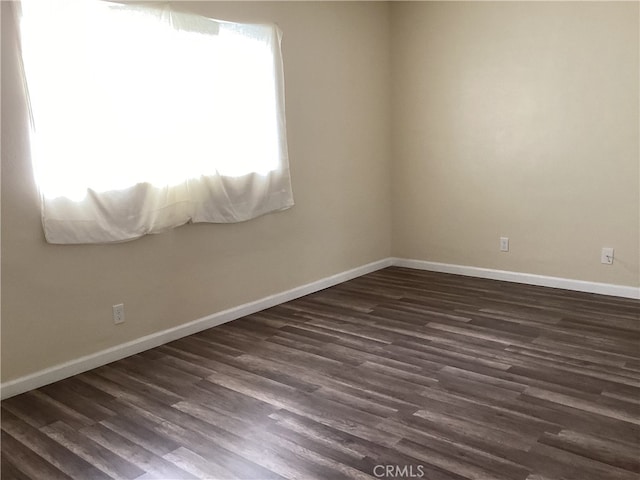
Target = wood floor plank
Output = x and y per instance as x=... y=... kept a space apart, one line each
x=198 y=436
x=38 y=409
x=22 y=461
x=199 y=466
x=103 y=459
x=396 y=373
x=593 y=404
x=553 y=462
x=609 y=451
x=8 y=471
x=134 y=453
x=53 y=452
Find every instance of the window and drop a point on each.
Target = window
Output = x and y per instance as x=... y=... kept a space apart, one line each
x=145 y=118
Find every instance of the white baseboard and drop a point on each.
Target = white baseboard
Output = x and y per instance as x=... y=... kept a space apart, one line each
x=517 y=277
x=88 y=362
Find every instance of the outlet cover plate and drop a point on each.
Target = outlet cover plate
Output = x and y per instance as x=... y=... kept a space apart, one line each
x=606 y=256
x=504 y=244
x=118 y=313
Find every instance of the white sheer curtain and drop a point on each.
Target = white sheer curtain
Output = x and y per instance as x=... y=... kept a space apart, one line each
x=145 y=119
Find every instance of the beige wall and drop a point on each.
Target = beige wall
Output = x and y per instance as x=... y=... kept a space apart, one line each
x=517 y=119
x=514 y=119
x=56 y=300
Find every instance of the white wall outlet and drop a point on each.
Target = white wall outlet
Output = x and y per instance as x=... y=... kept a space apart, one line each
x=606 y=256
x=504 y=244
x=118 y=313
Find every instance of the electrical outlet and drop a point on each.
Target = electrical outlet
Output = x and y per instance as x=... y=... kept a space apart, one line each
x=118 y=313
x=606 y=256
x=504 y=244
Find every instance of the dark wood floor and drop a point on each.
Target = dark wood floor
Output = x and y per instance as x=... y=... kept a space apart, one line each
x=433 y=376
